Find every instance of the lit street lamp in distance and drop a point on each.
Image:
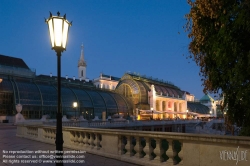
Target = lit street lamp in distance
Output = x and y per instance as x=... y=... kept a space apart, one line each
x=210 y=113
x=58 y=30
x=152 y=109
x=75 y=106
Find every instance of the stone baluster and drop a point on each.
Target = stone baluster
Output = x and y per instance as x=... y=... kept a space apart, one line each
x=180 y=154
x=138 y=147
x=72 y=136
x=148 y=149
x=121 y=145
x=47 y=134
x=28 y=131
x=80 y=138
x=97 y=142
x=44 y=133
x=129 y=146
x=50 y=134
x=54 y=134
x=158 y=150
x=76 y=138
x=170 y=152
x=85 y=140
x=91 y=140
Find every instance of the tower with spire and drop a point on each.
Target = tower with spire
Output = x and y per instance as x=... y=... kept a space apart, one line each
x=82 y=66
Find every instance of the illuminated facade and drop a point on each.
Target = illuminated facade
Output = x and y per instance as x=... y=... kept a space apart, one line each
x=130 y=95
x=152 y=97
x=106 y=82
x=212 y=104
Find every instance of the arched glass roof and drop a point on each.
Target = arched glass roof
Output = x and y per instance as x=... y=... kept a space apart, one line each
x=166 y=91
x=138 y=90
x=49 y=94
x=141 y=86
x=28 y=93
x=83 y=98
x=42 y=96
x=197 y=107
x=97 y=99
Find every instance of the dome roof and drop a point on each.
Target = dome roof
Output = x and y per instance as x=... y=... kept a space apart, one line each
x=206 y=98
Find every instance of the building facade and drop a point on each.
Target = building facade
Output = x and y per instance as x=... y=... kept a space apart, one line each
x=133 y=94
x=105 y=81
x=153 y=98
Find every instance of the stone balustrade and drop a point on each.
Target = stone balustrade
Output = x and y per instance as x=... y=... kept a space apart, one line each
x=146 y=147
x=32 y=131
x=124 y=123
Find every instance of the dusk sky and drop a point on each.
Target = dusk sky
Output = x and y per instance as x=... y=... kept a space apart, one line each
x=141 y=36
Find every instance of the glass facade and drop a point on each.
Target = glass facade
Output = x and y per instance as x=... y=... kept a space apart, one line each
x=40 y=98
x=136 y=88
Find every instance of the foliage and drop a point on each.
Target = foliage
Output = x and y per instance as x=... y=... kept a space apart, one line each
x=220 y=44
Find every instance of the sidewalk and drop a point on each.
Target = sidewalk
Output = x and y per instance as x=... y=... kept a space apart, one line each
x=9 y=141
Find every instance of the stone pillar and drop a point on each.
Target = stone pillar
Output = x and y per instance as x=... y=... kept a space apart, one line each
x=160 y=105
x=166 y=107
x=153 y=98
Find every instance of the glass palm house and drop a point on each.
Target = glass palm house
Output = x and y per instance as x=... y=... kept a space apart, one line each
x=38 y=94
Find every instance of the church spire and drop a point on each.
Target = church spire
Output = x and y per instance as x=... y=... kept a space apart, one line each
x=81 y=62
x=82 y=66
x=82 y=53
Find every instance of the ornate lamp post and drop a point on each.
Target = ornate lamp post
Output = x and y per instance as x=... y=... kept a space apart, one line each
x=75 y=106
x=58 y=30
x=187 y=113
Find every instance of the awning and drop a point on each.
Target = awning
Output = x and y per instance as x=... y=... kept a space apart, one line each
x=150 y=112
x=172 y=112
x=192 y=113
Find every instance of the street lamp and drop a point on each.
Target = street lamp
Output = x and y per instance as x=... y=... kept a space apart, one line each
x=152 y=109
x=187 y=113
x=74 y=106
x=58 y=30
x=210 y=113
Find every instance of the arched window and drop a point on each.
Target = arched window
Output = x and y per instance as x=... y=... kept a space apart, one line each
x=82 y=73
